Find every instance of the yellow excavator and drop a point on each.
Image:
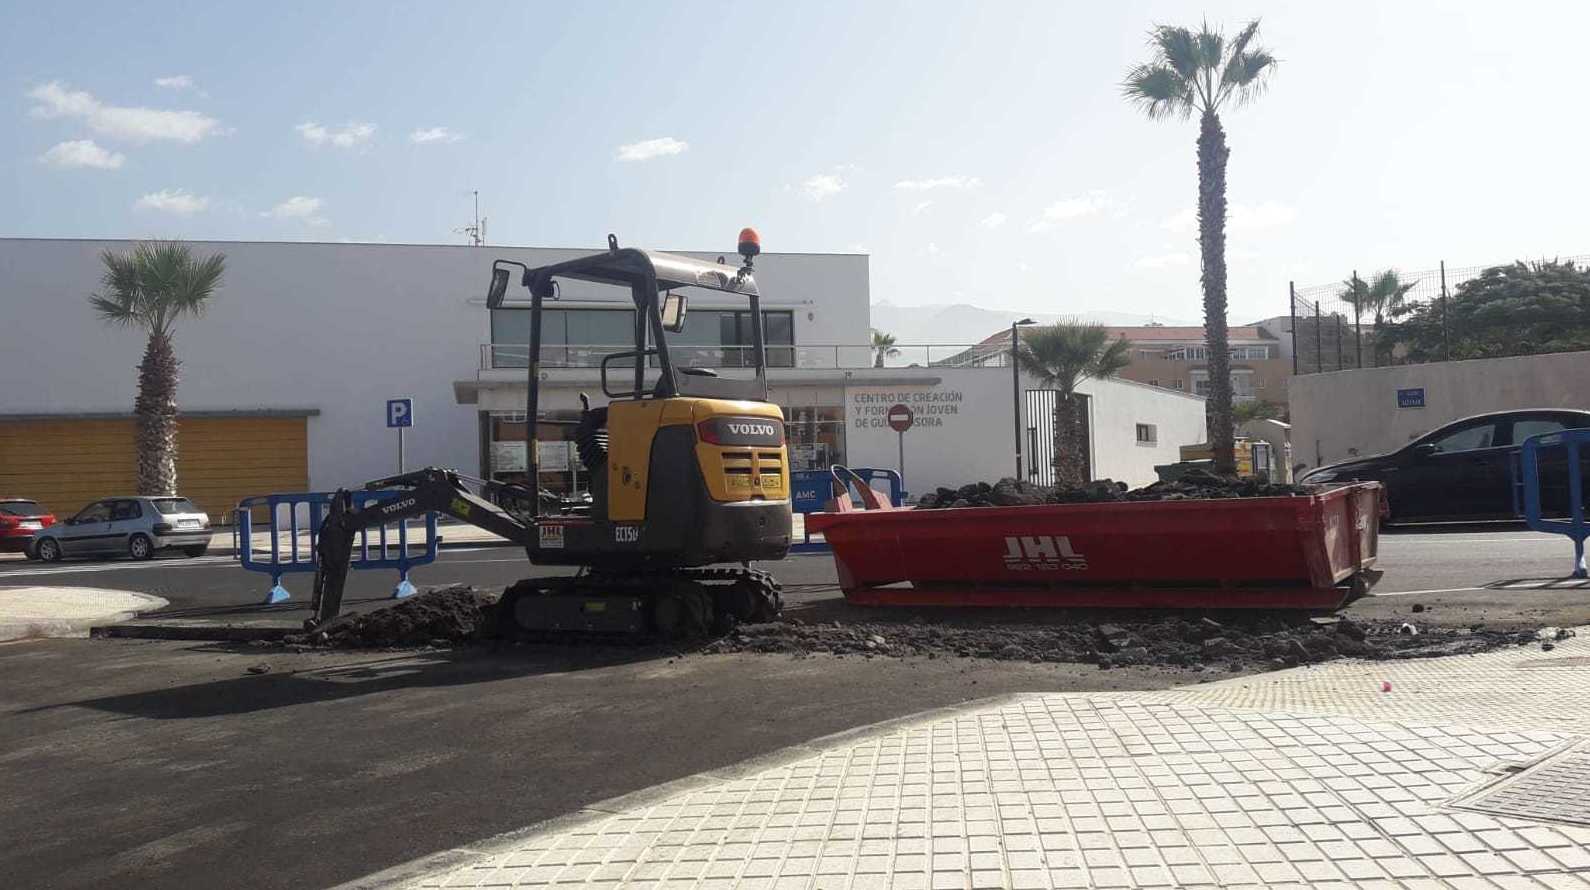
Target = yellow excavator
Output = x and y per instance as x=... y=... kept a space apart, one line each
x=689 y=470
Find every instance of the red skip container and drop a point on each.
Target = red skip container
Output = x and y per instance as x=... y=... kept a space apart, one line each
x=1303 y=552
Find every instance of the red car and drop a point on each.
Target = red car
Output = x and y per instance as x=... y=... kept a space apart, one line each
x=20 y=523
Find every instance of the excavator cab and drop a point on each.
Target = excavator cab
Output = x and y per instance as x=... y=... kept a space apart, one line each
x=688 y=469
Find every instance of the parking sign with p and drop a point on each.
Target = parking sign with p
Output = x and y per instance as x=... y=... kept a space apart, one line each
x=399 y=412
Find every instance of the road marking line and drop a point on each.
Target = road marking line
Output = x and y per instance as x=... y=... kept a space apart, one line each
x=1416 y=592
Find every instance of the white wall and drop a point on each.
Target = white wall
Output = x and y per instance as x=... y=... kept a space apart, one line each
x=1345 y=414
x=963 y=432
x=1118 y=406
x=338 y=327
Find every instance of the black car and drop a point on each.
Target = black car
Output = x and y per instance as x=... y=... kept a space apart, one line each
x=1463 y=471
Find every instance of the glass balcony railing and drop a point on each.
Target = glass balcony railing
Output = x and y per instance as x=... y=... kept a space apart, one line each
x=503 y=356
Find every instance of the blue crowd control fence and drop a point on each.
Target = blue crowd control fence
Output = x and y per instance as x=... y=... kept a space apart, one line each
x=1528 y=484
x=294 y=522
x=813 y=489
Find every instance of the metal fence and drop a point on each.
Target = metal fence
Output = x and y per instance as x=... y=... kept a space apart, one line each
x=1330 y=332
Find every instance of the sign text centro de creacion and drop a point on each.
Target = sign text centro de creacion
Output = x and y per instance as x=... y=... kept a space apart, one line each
x=930 y=408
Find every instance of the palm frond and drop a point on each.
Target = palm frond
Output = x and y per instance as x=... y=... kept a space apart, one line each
x=1240 y=44
x=1177 y=48
x=1247 y=76
x=1159 y=91
x=1112 y=358
x=116 y=312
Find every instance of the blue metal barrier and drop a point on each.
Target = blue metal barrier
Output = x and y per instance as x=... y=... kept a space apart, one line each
x=288 y=556
x=1527 y=488
x=813 y=489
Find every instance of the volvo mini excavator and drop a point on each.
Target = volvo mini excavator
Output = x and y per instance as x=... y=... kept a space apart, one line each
x=689 y=473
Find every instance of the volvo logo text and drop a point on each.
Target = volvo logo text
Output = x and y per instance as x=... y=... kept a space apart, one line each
x=752 y=429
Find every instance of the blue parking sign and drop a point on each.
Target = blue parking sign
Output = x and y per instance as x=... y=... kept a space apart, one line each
x=399 y=412
x=1410 y=398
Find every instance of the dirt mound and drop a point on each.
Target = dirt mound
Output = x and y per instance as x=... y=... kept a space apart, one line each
x=1194 y=484
x=438 y=616
x=1229 y=643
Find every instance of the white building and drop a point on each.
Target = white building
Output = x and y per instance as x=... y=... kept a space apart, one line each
x=285 y=380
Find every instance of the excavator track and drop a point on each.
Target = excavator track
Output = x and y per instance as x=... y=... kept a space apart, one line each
x=678 y=604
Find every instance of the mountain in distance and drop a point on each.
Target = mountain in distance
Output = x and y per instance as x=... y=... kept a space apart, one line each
x=961 y=323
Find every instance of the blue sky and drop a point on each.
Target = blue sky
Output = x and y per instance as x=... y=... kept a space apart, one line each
x=978 y=151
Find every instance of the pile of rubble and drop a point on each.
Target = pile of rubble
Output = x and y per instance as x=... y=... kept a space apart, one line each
x=1196 y=484
x=1232 y=643
x=440 y=616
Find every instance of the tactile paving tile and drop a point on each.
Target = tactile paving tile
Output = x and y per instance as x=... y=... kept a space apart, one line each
x=1556 y=789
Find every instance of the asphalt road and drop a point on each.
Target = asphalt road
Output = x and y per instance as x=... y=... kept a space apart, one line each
x=162 y=764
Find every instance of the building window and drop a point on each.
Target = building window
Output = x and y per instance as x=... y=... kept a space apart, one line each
x=1147 y=434
x=581 y=338
x=1154 y=382
x=1179 y=383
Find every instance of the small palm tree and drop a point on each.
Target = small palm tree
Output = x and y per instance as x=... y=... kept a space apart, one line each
x=1200 y=71
x=1380 y=296
x=149 y=289
x=1060 y=356
x=882 y=348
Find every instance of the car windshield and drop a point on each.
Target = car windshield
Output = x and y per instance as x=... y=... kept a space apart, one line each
x=168 y=506
x=21 y=508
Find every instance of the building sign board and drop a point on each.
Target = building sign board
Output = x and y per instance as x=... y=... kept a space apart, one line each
x=1410 y=398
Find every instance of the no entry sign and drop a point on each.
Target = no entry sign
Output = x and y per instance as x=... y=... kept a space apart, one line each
x=900 y=418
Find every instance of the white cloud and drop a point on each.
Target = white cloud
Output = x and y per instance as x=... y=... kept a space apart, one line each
x=1160 y=261
x=137 y=125
x=176 y=82
x=350 y=136
x=1093 y=203
x=299 y=207
x=933 y=248
x=82 y=153
x=434 y=134
x=178 y=201
x=993 y=220
x=823 y=186
x=921 y=206
x=1239 y=217
x=647 y=149
x=942 y=182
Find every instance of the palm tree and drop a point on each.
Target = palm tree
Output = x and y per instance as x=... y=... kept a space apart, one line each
x=149 y=289
x=1060 y=356
x=882 y=348
x=1381 y=296
x=1200 y=71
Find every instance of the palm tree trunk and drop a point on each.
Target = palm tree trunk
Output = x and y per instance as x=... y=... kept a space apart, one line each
x=156 y=417
x=877 y=361
x=1067 y=457
x=1212 y=156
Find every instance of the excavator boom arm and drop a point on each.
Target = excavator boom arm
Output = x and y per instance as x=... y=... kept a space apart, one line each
x=419 y=492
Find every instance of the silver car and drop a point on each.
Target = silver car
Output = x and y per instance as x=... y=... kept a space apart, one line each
x=136 y=526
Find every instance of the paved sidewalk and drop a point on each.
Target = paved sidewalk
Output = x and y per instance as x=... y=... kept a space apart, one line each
x=29 y=612
x=1312 y=777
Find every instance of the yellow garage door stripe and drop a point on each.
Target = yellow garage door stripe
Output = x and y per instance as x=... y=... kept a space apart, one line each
x=64 y=464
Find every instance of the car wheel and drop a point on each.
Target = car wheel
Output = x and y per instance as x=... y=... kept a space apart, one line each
x=196 y=551
x=47 y=550
x=140 y=547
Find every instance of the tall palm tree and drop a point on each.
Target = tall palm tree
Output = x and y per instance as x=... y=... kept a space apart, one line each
x=1380 y=296
x=1060 y=356
x=149 y=289
x=1200 y=71
x=882 y=348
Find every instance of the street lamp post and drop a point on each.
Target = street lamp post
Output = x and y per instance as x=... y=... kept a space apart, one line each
x=1015 y=386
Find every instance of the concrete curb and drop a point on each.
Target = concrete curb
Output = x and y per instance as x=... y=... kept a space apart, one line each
x=227 y=633
x=405 y=873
